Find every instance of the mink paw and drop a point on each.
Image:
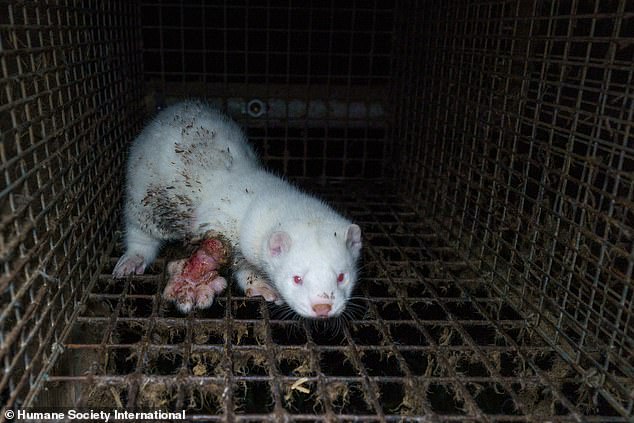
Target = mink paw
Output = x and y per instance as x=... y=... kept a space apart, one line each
x=194 y=282
x=190 y=293
x=259 y=287
x=128 y=265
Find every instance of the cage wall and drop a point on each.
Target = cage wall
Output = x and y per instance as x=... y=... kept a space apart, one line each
x=518 y=140
x=317 y=73
x=70 y=100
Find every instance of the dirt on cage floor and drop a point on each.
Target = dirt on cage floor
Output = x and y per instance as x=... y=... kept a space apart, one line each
x=423 y=338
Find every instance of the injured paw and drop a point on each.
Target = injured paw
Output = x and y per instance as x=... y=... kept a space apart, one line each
x=194 y=282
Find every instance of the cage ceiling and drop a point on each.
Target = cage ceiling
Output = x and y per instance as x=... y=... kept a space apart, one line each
x=486 y=148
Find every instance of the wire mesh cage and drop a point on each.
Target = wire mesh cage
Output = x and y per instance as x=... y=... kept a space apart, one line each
x=484 y=147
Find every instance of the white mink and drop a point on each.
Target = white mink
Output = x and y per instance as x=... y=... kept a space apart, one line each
x=191 y=171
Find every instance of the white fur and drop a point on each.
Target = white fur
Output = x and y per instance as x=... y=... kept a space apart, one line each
x=220 y=186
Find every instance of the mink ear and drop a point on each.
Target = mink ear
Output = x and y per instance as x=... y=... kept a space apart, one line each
x=279 y=243
x=353 y=239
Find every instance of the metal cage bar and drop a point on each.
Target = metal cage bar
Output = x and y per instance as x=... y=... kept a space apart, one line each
x=526 y=133
x=69 y=88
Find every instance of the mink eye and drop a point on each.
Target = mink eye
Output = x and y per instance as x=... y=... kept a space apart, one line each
x=340 y=278
x=297 y=280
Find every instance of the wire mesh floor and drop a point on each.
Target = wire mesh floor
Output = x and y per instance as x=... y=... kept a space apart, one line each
x=424 y=339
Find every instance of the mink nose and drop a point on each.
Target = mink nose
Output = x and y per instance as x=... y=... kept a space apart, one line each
x=322 y=309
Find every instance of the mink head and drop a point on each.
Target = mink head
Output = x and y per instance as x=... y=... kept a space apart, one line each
x=314 y=268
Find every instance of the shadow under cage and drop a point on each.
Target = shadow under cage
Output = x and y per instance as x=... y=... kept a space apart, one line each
x=484 y=147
